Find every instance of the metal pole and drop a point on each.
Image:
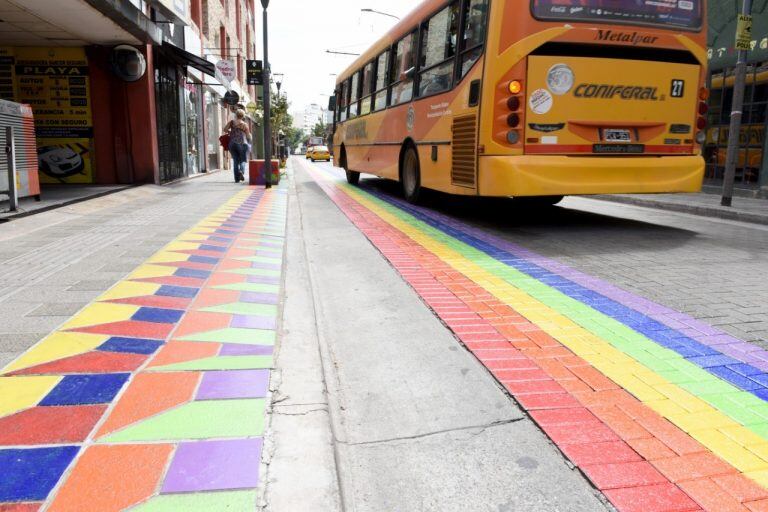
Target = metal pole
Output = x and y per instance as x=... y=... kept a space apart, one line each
x=267 y=114
x=10 y=151
x=736 y=114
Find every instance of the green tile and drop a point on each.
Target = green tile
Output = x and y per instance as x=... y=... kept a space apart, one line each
x=255 y=272
x=250 y=287
x=243 y=308
x=198 y=420
x=234 y=335
x=218 y=363
x=220 y=501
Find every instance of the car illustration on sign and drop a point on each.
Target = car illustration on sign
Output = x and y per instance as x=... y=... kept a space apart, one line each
x=60 y=162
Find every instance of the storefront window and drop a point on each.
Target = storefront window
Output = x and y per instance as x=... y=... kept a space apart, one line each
x=193 y=108
x=212 y=102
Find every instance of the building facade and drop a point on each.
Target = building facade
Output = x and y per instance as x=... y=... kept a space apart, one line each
x=97 y=125
x=752 y=156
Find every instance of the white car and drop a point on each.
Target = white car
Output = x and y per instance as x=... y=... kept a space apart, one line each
x=59 y=162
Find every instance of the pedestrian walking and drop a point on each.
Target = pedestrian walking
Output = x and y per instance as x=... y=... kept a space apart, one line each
x=239 y=135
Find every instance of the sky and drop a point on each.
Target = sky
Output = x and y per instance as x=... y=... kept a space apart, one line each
x=300 y=32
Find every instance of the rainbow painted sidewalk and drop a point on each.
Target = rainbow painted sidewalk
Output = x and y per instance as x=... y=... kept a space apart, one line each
x=660 y=411
x=153 y=397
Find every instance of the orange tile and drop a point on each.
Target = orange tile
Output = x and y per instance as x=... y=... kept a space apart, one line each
x=651 y=449
x=742 y=488
x=707 y=494
x=757 y=506
x=693 y=466
x=113 y=478
x=183 y=351
x=149 y=394
x=201 y=321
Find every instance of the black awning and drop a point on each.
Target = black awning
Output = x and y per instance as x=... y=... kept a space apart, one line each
x=184 y=58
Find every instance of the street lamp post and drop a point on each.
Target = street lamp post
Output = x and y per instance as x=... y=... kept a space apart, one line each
x=267 y=113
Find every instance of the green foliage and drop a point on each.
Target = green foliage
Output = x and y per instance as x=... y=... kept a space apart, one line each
x=319 y=130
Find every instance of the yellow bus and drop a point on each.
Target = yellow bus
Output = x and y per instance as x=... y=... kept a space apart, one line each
x=539 y=98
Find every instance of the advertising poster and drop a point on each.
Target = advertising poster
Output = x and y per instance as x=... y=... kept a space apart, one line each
x=55 y=83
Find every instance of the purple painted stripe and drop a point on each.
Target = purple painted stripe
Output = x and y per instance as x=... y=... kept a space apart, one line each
x=263 y=280
x=228 y=385
x=266 y=266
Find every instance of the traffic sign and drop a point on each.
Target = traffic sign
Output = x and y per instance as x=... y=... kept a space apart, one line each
x=254 y=72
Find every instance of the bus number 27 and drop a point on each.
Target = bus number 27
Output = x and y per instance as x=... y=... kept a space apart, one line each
x=678 y=88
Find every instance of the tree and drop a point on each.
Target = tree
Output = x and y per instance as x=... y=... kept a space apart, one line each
x=319 y=129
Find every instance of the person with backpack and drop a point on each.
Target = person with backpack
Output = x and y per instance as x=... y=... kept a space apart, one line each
x=239 y=135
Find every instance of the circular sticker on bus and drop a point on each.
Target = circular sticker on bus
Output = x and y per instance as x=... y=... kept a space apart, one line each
x=540 y=101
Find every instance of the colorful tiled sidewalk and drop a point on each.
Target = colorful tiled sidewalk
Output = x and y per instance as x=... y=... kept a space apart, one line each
x=152 y=398
x=660 y=411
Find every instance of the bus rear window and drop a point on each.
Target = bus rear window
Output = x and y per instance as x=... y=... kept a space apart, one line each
x=670 y=13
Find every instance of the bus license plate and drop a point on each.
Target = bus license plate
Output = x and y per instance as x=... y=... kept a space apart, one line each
x=616 y=135
x=618 y=148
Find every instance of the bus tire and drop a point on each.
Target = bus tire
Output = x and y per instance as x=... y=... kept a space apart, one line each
x=411 y=175
x=353 y=177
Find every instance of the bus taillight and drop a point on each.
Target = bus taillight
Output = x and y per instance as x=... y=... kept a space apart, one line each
x=514 y=104
x=703 y=94
x=703 y=108
x=513 y=120
x=515 y=87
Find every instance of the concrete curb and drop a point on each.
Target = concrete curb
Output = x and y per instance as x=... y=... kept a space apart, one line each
x=693 y=209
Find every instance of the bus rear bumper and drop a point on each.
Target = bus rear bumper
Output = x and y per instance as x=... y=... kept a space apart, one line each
x=537 y=175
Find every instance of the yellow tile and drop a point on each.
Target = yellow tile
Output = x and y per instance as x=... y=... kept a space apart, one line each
x=691 y=421
x=56 y=346
x=181 y=246
x=683 y=398
x=146 y=271
x=126 y=289
x=101 y=313
x=744 y=437
x=666 y=407
x=759 y=477
x=168 y=257
x=19 y=393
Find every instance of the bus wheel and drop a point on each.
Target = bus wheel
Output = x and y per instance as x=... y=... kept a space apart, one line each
x=353 y=177
x=411 y=176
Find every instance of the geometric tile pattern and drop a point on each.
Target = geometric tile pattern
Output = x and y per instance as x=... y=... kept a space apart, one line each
x=659 y=410
x=153 y=396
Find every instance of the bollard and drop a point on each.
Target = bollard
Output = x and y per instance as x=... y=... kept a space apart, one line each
x=10 y=152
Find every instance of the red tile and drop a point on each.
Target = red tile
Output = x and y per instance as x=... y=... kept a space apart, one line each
x=20 y=507
x=547 y=401
x=130 y=328
x=599 y=453
x=50 y=425
x=529 y=387
x=521 y=375
x=90 y=362
x=155 y=301
x=651 y=498
x=509 y=364
x=623 y=474
x=757 y=506
x=175 y=281
x=563 y=416
x=592 y=432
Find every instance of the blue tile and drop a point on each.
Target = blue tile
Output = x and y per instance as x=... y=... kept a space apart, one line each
x=130 y=345
x=214 y=248
x=158 y=315
x=711 y=361
x=745 y=369
x=31 y=474
x=191 y=272
x=761 y=378
x=219 y=239
x=86 y=389
x=177 y=291
x=736 y=379
x=204 y=259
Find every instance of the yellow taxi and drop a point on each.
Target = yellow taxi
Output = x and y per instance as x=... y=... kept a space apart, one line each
x=309 y=152
x=320 y=153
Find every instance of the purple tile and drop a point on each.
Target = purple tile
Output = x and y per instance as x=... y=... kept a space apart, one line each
x=263 y=280
x=266 y=266
x=227 y=385
x=214 y=466
x=232 y=349
x=259 y=298
x=254 y=322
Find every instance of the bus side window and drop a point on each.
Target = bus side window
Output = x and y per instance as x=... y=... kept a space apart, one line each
x=365 y=104
x=404 y=61
x=380 y=87
x=473 y=36
x=344 y=101
x=354 y=95
x=438 y=51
